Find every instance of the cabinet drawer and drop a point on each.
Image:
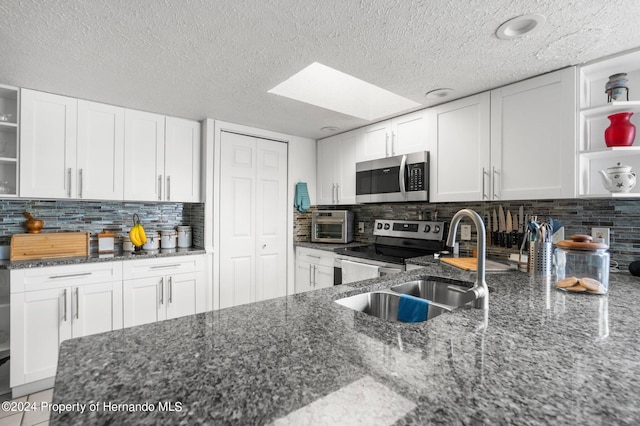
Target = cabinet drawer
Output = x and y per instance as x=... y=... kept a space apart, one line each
x=319 y=257
x=51 y=277
x=144 y=268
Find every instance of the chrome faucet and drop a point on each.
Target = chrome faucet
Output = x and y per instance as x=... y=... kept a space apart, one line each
x=479 y=289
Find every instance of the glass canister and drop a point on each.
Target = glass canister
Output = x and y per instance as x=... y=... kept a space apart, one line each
x=184 y=236
x=582 y=265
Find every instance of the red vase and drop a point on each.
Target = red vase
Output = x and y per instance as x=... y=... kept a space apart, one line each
x=621 y=132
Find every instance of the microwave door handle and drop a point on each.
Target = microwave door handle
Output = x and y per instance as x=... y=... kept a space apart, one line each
x=401 y=179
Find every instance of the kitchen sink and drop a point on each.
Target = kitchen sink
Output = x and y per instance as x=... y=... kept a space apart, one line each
x=384 y=304
x=445 y=292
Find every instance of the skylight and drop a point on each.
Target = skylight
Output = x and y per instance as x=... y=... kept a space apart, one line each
x=326 y=87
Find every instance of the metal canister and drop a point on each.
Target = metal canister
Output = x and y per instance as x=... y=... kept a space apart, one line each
x=168 y=238
x=153 y=241
x=184 y=236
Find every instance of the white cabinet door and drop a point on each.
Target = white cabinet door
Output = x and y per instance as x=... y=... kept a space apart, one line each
x=345 y=161
x=323 y=276
x=304 y=276
x=375 y=142
x=182 y=160
x=409 y=134
x=460 y=154
x=48 y=126
x=143 y=156
x=96 y=308
x=100 y=151
x=533 y=148
x=327 y=149
x=40 y=320
x=337 y=168
x=181 y=292
x=144 y=300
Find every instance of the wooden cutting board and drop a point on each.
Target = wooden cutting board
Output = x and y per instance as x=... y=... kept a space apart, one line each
x=49 y=245
x=471 y=263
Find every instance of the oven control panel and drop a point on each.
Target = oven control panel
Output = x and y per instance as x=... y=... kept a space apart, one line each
x=419 y=229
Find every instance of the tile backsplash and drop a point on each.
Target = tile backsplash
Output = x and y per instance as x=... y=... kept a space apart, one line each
x=94 y=216
x=576 y=215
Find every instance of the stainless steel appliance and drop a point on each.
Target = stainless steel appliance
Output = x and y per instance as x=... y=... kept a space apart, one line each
x=393 y=179
x=396 y=241
x=332 y=226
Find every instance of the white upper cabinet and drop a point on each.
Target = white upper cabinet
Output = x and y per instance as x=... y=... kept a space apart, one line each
x=460 y=155
x=48 y=145
x=162 y=158
x=182 y=160
x=400 y=135
x=9 y=110
x=100 y=151
x=516 y=142
x=533 y=134
x=337 y=169
x=143 y=156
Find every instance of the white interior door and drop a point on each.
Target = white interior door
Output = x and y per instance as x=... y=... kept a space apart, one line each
x=271 y=220
x=253 y=187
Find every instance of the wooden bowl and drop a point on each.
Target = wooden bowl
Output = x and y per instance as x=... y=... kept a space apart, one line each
x=34 y=226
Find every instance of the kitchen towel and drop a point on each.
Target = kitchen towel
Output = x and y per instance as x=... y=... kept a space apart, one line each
x=412 y=309
x=356 y=271
x=302 y=201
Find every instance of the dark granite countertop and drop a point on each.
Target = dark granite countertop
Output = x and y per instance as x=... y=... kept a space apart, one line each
x=102 y=257
x=540 y=356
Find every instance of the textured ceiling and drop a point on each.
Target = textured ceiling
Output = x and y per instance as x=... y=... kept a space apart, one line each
x=218 y=58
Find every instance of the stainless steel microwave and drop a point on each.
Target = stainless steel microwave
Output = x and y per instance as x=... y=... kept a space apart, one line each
x=332 y=226
x=393 y=179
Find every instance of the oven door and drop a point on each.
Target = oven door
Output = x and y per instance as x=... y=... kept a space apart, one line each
x=351 y=269
x=329 y=231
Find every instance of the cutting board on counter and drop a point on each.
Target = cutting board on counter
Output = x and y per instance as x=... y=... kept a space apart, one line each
x=471 y=263
x=49 y=245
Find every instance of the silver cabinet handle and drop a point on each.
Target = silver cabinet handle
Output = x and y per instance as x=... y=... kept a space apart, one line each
x=337 y=193
x=168 y=188
x=386 y=145
x=393 y=141
x=64 y=294
x=162 y=291
x=81 y=274
x=484 y=192
x=69 y=180
x=175 y=265
x=159 y=187
x=493 y=183
x=80 y=183
x=77 y=304
x=333 y=193
x=315 y=268
x=170 y=289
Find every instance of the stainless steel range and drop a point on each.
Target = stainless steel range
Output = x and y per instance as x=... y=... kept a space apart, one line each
x=396 y=241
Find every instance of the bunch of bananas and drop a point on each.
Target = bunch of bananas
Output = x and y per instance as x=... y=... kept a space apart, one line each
x=137 y=235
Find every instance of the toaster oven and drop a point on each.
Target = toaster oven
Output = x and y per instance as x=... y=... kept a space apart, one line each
x=332 y=226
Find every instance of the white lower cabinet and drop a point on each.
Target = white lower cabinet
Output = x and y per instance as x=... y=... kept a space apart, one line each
x=314 y=269
x=52 y=304
x=159 y=289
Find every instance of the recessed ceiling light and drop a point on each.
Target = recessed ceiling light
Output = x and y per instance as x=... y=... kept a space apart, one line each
x=438 y=93
x=519 y=26
x=329 y=129
x=326 y=87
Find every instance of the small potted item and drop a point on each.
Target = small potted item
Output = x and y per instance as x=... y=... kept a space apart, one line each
x=34 y=226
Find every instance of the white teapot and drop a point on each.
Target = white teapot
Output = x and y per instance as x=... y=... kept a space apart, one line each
x=618 y=178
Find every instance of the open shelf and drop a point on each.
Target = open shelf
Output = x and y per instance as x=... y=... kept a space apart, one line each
x=616 y=151
x=610 y=108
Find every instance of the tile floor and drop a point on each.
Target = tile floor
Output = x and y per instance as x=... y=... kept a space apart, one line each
x=28 y=418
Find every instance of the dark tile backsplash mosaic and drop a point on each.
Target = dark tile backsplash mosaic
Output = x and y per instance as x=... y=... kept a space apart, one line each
x=577 y=216
x=94 y=216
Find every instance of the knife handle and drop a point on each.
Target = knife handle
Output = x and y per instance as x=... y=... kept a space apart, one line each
x=508 y=239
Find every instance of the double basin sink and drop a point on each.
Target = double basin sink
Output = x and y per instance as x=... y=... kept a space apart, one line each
x=443 y=295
